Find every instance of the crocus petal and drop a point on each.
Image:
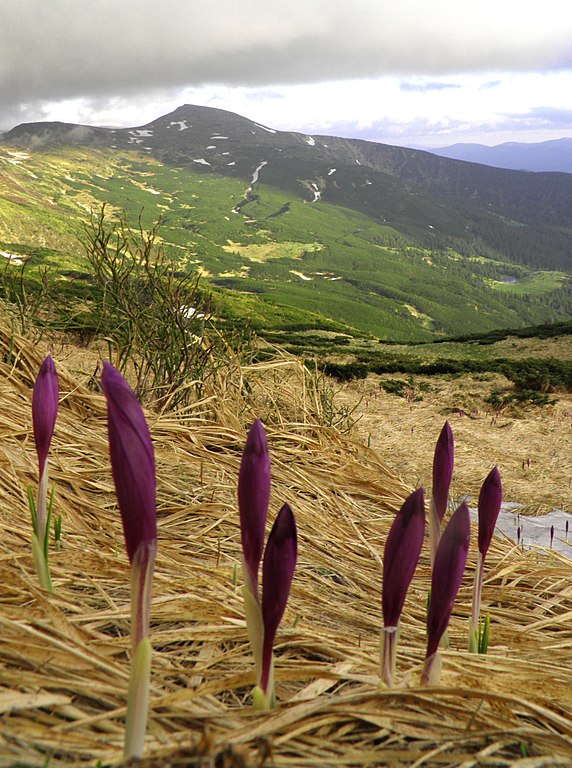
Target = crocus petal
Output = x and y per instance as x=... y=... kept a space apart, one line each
x=443 y=463
x=490 y=499
x=253 y=498
x=45 y=409
x=132 y=460
x=277 y=572
x=401 y=555
x=448 y=570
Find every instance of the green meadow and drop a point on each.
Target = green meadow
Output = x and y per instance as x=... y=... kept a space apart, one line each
x=285 y=264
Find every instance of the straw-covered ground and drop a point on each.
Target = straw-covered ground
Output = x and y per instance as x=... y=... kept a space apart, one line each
x=531 y=444
x=64 y=657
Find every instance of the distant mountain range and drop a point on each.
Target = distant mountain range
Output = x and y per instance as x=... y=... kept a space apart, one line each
x=306 y=230
x=554 y=155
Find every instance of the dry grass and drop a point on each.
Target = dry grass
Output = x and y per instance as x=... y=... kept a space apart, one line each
x=64 y=657
x=532 y=445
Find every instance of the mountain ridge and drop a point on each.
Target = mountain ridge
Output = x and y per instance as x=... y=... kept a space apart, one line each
x=280 y=216
x=472 y=182
x=540 y=199
x=552 y=156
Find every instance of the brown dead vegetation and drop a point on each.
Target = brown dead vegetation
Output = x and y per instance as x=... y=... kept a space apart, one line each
x=532 y=445
x=64 y=658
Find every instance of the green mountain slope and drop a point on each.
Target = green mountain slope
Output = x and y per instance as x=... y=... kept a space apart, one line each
x=297 y=233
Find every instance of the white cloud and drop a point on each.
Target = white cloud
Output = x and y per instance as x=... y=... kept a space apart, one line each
x=301 y=65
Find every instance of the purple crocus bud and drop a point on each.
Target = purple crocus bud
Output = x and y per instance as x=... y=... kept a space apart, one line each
x=132 y=461
x=443 y=462
x=253 y=498
x=45 y=409
x=490 y=498
x=402 y=548
x=277 y=572
x=44 y=413
x=448 y=570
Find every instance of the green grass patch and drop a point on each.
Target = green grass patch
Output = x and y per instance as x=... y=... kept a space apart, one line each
x=298 y=262
x=534 y=284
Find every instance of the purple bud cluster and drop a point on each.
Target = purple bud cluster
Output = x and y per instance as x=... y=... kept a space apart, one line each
x=281 y=551
x=449 y=551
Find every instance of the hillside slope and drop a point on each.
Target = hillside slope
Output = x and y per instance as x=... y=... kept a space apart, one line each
x=304 y=232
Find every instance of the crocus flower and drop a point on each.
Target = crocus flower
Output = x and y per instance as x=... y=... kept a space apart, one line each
x=133 y=467
x=263 y=615
x=45 y=397
x=490 y=499
x=443 y=463
x=402 y=549
x=448 y=569
x=132 y=460
x=278 y=568
x=253 y=498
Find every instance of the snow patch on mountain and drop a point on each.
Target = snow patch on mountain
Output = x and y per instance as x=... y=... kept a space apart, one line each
x=16 y=158
x=13 y=258
x=264 y=128
x=257 y=171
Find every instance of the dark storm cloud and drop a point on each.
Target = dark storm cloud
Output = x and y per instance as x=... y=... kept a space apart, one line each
x=52 y=50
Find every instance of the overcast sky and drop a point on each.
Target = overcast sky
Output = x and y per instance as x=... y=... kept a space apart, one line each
x=416 y=72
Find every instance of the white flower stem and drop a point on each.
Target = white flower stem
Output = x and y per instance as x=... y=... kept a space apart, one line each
x=389 y=637
x=254 y=628
x=138 y=700
x=42 y=568
x=41 y=511
x=476 y=610
x=142 y=569
x=431 y=674
x=478 y=588
x=434 y=530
